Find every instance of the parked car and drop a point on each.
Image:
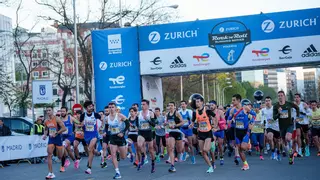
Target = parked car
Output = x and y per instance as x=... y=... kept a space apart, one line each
x=18 y=125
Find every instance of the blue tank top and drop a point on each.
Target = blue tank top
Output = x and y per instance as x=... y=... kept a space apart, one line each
x=242 y=120
x=69 y=127
x=186 y=119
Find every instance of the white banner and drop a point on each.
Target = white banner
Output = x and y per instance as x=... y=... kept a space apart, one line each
x=152 y=91
x=257 y=55
x=22 y=147
x=41 y=92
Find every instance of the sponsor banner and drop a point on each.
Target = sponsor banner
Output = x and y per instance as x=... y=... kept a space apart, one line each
x=152 y=91
x=227 y=33
x=22 y=147
x=42 y=91
x=266 y=53
x=116 y=67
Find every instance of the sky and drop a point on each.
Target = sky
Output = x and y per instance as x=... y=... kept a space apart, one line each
x=188 y=10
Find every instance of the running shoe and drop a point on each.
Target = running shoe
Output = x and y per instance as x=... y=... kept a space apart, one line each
x=162 y=156
x=291 y=159
x=50 y=176
x=278 y=157
x=193 y=160
x=261 y=157
x=221 y=161
x=307 y=151
x=210 y=170
x=117 y=176
x=139 y=167
x=300 y=154
x=318 y=153
x=62 y=169
x=142 y=160
x=67 y=163
x=268 y=146
x=88 y=171
x=168 y=161
x=146 y=160
x=153 y=169
x=157 y=158
x=284 y=154
x=273 y=156
x=236 y=160
x=76 y=164
x=245 y=167
x=104 y=165
x=172 y=169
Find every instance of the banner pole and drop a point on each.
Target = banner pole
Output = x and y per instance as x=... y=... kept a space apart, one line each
x=32 y=103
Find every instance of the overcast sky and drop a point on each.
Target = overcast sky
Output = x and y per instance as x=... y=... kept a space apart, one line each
x=188 y=9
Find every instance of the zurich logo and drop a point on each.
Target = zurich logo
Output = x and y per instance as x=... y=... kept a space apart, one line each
x=267 y=26
x=229 y=45
x=42 y=90
x=119 y=100
x=103 y=65
x=154 y=37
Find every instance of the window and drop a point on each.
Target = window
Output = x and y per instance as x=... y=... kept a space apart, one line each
x=34 y=64
x=19 y=126
x=56 y=54
x=55 y=92
x=45 y=74
x=44 y=64
x=35 y=74
x=44 y=55
x=34 y=55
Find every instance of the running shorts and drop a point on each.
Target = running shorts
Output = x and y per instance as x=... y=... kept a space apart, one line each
x=84 y=143
x=219 y=134
x=147 y=135
x=117 y=141
x=286 y=130
x=242 y=136
x=176 y=135
x=205 y=135
x=133 y=137
x=276 y=134
x=186 y=131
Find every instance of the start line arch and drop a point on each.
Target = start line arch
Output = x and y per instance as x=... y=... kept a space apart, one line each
x=129 y=62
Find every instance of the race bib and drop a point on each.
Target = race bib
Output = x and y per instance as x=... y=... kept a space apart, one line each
x=186 y=122
x=171 y=122
x=115 y=129
x=52 y=131
x=90 y=128
x=144 y=126
x=239 y=125
x=66 y=132
x=79 y=133
x=133 y=128
x=300 y=119
x=203 y=126
x=284 y=114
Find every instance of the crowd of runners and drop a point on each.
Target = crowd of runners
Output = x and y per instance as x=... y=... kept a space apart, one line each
x=178 y=133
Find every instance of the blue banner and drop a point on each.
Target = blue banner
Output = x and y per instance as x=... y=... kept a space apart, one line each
x=116 y=67
x=243 y=28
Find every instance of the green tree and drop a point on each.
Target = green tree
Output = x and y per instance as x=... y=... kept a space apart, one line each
x=268 y=91
x=237 y=88
x=290 y=96
x=249 y=90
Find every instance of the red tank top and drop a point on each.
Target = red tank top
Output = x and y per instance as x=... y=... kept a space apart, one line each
x=221 y=121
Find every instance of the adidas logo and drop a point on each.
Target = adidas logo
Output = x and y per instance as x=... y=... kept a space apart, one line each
x=178 y=63
x=311 y=52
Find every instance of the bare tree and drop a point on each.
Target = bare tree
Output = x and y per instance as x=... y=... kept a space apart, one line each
x=8 y=91
x=147 y=12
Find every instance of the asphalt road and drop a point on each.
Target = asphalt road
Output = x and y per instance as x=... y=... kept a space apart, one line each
x=306 y=168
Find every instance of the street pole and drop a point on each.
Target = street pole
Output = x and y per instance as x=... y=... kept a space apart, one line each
x=120 y=7
x=76 y=51
x=181 y=86
x=202 y=85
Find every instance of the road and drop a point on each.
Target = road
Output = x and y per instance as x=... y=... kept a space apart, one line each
x=304 y=169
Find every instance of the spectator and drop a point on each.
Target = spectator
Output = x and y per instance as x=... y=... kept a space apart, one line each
x=38 y=127
x=4 y=130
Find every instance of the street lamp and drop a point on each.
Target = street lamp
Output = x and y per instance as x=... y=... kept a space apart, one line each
x=70 y=100
x=58 y=101
x=223 y=98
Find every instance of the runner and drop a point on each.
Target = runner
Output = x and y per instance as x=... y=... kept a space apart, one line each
x=105 y=140
x=243 y=119
x=89 y=120
x=204 y=118
x=282 y=111
x=146 y=119
x=79 y=136
x=118 y=126
x=133 y=133
x=175 y=138
x=160 y=133
x=54 y=127
x=273 y=131
x=67 y=140
x=219 y=134
x=257 y=134
x=187 y=130
x=315 y=122
x=302 y=124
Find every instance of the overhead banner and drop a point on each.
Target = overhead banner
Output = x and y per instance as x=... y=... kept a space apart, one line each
x=116 y=67
x=42 y=92
x=22 y=147
x=152 y=91
x=265 y=40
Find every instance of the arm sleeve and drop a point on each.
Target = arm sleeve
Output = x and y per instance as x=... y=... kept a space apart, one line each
x=276 y=114
x=82 y=117
x=193 y=116
x=127 y=124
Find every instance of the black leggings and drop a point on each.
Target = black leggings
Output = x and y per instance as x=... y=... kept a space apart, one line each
x=158 y=138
